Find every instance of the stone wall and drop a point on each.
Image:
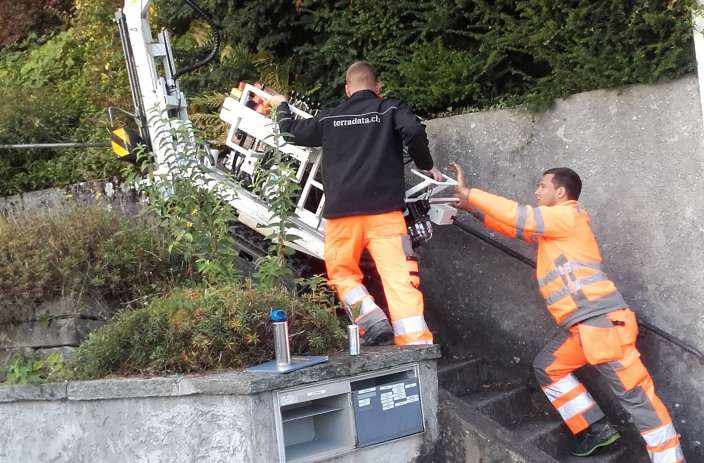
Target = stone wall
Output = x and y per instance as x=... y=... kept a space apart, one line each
x=108 y=193
x=639 y=151
x=59 y=325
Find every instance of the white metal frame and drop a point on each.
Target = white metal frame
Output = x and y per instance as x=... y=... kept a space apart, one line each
x=166 y=109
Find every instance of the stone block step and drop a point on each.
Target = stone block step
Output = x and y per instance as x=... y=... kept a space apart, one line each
x=515 y=414
x=629 y=449
x=474 y=376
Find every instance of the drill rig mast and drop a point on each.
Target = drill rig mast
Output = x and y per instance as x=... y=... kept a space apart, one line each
x=160 y=107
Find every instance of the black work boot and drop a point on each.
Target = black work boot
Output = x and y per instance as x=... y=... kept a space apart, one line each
x=598 y=435
x=376 y=328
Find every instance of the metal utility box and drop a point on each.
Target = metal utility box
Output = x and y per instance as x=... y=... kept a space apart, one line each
x=331 y=418
x=387 y=407
x=314 y=422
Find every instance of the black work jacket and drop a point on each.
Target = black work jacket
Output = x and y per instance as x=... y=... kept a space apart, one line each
x=362 y=140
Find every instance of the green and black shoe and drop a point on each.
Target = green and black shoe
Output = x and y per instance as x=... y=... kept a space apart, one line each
x=600 y=434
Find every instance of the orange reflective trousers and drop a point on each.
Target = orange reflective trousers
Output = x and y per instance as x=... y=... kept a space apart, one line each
x=384 y=236
x=608 y=343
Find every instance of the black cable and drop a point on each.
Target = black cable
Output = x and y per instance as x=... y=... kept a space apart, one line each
x=531 y=263
x=216 y=39
x=492 y=242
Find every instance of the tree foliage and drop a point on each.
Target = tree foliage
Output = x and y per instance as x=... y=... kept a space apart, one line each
x=459 y=53
x=437 y=55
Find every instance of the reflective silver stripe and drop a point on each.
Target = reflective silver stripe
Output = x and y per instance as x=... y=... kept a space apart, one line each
x=548 y=278
x=419 y=342
x=660 y=435
x=521 y=221
x=561 y=387
x=567 y=268
x=409 y=325
x=576 y=406
x=557 y=296
x=368 y=305
x=671 y=455
x=576 y=286
x=356 y=295
x=597 y=277
x=539 y=224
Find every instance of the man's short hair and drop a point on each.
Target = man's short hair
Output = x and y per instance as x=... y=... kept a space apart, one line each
x=567 y=178
x=361 y=73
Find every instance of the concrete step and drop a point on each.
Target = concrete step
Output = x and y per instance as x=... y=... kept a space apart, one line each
x=626 y=450
x=474 y=376
x=515 y=414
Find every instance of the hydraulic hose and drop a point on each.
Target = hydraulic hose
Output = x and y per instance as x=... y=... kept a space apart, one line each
x=531 y=263
x=216 y=41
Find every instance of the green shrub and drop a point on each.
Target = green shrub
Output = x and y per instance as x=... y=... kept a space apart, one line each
x=33 y=369
x=488 y=53
x=81 y=250
x=200 y=329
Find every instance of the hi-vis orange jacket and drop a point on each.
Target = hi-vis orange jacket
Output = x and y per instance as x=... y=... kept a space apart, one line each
x=569 y=269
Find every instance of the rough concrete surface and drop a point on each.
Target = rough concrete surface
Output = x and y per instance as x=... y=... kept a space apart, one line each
x=639 y=151
x=462 y=440
x=161 y=420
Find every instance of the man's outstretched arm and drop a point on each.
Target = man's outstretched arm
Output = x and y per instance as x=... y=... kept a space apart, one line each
x=527 y=222
x=492 y=224
x=302 y=132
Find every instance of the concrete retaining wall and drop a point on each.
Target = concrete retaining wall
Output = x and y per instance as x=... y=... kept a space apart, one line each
x=640 y=153
x=225 y=417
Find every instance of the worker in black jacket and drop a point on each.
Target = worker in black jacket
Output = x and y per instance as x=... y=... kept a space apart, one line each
x=362 y=165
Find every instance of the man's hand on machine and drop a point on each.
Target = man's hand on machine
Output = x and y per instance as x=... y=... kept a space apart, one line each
x=461 y=189
x=434 y=173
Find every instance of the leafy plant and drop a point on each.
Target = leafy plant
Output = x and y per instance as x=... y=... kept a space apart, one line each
x=188 y=205
x=32 y=369
x=276 y=182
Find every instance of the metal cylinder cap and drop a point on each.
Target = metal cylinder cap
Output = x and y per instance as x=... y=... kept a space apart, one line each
x=278 y=315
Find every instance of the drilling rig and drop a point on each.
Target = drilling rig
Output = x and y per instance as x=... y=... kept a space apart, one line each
x=160 y=109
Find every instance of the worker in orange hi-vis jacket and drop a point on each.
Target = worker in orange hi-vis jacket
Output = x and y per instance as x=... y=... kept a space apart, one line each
x=598 y=327
x=362 y=163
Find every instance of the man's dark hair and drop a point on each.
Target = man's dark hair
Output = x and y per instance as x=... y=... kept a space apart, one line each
x=567 y=178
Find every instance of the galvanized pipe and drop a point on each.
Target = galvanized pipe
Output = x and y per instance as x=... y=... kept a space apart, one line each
x=38 y=146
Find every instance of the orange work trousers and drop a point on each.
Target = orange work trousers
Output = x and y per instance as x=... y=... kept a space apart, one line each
x=608 y=343
x=383 y=235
